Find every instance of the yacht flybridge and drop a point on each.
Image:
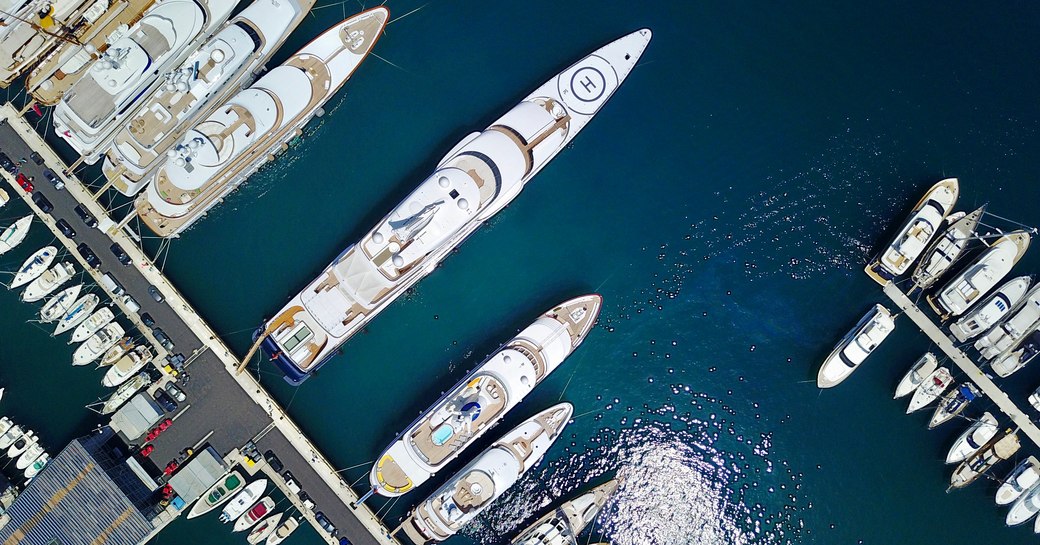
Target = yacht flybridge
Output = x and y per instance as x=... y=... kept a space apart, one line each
x=219 y=153
x=476 y=179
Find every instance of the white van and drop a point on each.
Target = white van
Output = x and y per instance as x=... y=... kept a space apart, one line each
x=111 y=284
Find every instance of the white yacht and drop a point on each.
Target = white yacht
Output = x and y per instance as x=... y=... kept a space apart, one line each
x=977 y=279
x=994 y=309
x=42 y=26
x=915 y=234
x=115 y=86
x=253 y=515
x=1025 y=507
x=50 y=280
x=29 y=456
x=57 y=306
x=918 y=373
x=34 y=266
x=1021 y=321
x=125 y=391
x=5 y=425
x=953 y=403
x=978 y=434
x=1034 y=399
x=92 y=325
x=1020 y=354
x=1022 y=478
x=562 y=525
x=95 y=346
x=243 y=500
x=946 y=249
x=10 y=436
x=264 y=528
x=127 y=366
x=4 y=198
x=116 y=351
x=483 y=480
x=220 y=492
x=209 y=76
x=14 y=234
x=480 y=400
x=999 y=448
x=20 y=445
x=78 y=312
x=37 y=466
x=215 y=156
x=284 y=531
x=855 y=346
x=475 y=180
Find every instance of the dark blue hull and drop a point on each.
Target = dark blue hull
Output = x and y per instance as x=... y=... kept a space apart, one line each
x=292 y=374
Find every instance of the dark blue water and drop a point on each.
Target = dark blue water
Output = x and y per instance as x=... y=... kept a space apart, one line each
x=724 y=203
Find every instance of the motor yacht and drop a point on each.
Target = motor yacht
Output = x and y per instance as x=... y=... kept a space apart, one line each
x=117 y=350
x=37 y=466
x=994 y=309
x=40 y=30
x=57 y=306
x=51 y=279
x=562 y=525
x=284 y=531
x=127 y=366
x=947 y=249
x=978 y=434
x=125 y=391
x=220 y=492
x=480 y=400
x=20 y=445
x=1018 y=355
x=1021 y=321
x=14 y=234
x=953 y=403
x=12 y=434
x=968 y=287
x=1025 y=507
x=243 y=500
x=258 y=511
x=34 y=266
x=29 y=456
x=5 y=425
x=855 y=346
x=999 y=448
x=1022 y=478
x=92 y=325
x=79 y=311
x=95 y=346
x=918 y=373
x=264 y=529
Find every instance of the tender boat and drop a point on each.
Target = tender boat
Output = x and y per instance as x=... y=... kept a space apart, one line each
x=947 y=249
x=34 y=266
x=79 y=311
x=855 y=346
x=973 y=438
x=22 y=45
x=226 y=63
x=12 y=434
x=1016 y=357
x=480 y=400
x=1005 y=334
x=243 y=500
x=57 y=306
x=483 y=480
x=21 y=444
x=95 y=346
x=474 y=181
x=219 y=153
x=15 y=234
x=127 y=366
x=92 y=325
x=37 y=466
x=285 y=530
x=991 y=311
x=49 y=281
x=264 y=529
x=953 y=403
x=1025 y=507
x=1022 y=478
x=219 y=493
x=562 y=525
x=29 y=456
x=113 y=354
x=258 y=511
x=125 y=391
x=1001 y=447
x=918 y=373
x=977 y=279
x=915 y=234
x=933 y=386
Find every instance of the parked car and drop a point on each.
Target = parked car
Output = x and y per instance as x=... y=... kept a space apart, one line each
x=85 y=216
x=88 y=255
x=122 y=256
x=165 y=401
x=290 y=482
x=36 y=158
x=8 y=164
x=53 y=179
x=344 y=541
x=273 y=461
x=325 y=523
x=147 y=320
x=175 y=392
x=306 y=500
x=65 y=228
x=45 y=205
x=154 y=292
x=161 y=337
x=25 y=183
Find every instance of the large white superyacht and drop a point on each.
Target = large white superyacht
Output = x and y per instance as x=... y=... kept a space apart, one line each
x=38 y=28
x=127 y=73
x=227 y=61
x=215 y=156
x=475 y=180
x=483 y=397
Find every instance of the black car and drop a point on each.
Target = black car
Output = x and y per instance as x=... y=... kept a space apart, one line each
x=147 y=320
x=121 y=255
x=43 y=203
x=161 y=337
x=85 y=216
x=273 y=461
x=88 y=255
x=36 y=158
x=53 y=179
x=65 y=228
x=165 y=401
x=154 y=292
x=7 y=163
x=325 y=524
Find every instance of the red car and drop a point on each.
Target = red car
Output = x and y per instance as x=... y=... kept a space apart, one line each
x=25 y=183
x=146 y=450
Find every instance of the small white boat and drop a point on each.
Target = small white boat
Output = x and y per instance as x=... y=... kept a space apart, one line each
x=79 y=311
x=563 y=524
x=1034 y=399
x=49 y=281
x=21 y=444
x=92 y=348
x=5 y=425
x=113 y=354
x=220 y=492
x=37 y=466
x=264 y=529
x=92 y=325
x=1020 y=354
x=282 y=532
x=57 y=306
x=243 y=500
x=1022 y=478
x=128 y=365
x=258 y=511
x=34 y=266
x=953 y=403
x=930 y=390
x=991 y=311
x=1021 y=321
x=959 y=294
x=4 y=198
x=916 y=233
x=10 y=436
x=973 y=438
x=855 y=346
x=1025 y=507
x=1001 y=447
x=29 y=456
x=15 y=234
x=918 y=373
x=946 y=249
x=125 y=391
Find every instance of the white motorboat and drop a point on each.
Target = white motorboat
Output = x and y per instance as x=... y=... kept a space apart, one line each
x=226 y=63
x=4 y=198
x=473 y=182
x=562 y=525
x=34 y=266
x=855 y=346
x=12 y=434
x=1025 y=507
x=5 y=425
x=219 y=153
x=916 y=233
x=991 y=311
x=953 y=403
x=220 y=492
x=29 y=456
x=49 y=281
x=258 y=511
x=918 y=373
x=487 y=477
x=20 y=445
x=57 y=306
x=117 y=350
x=79 y=311
x=1016 y=357
x=999 y=448
x=968 y=287
x=284 y=531
x=92 y=325
x=95 y=346
x=1021 y=321
x=37 y=466
x=1022 y=478
x=1034 y=399
x=127 y=366
x=14 y=234
x=125 y=391
x=930 y=390
x=483 y=397
x=947 y=249
x=973 y=438
x=243 y=500
x=264 y=529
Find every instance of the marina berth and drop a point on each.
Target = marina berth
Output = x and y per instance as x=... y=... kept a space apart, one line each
x=994 y=309
x=947 y=249
x=953 y=403
x=1018 y=356
x=220 y=492
x=128 y=366
x=487 y=477
x=562 y=525
x=1020 y=322
x=999 y=448
x=207 y=78
x=92 y=324
x=916 y=233
x=475 y=180
x=480 y=400
x=918 y=373
x=96 y=345
x=40 y=24
x=57 y=306
x=1022 y=478
x=46 y=283
x=79 y=311
x=853 y=349
x=125 y=76
x=219 y=153
x=14 y=234
x=959 y=294
x=34 y=266
x=243 y=500
x=973 y=438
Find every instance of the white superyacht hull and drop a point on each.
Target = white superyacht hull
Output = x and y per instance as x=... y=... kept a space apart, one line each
x=34 y=266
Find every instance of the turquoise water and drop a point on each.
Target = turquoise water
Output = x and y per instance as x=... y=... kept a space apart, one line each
x=723 y=203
